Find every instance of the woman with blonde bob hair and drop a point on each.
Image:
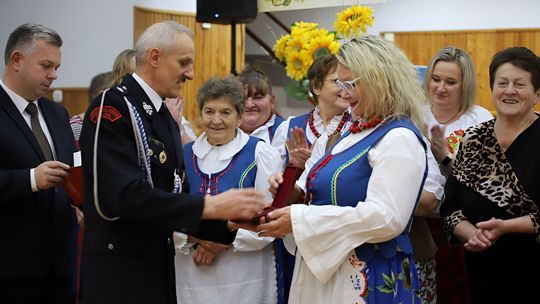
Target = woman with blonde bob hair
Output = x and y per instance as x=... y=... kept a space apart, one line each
x=450 y=85
x=353 y=246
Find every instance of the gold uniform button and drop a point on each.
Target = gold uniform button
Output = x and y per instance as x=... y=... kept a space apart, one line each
x=110 y=246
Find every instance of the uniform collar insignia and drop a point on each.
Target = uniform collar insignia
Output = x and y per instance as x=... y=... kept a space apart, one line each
x=148 y=108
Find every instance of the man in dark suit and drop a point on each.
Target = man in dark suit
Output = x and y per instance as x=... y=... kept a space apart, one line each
x=133 y=173
x=36 y=259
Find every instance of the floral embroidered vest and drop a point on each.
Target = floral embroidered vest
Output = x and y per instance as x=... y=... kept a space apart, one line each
x=239 y=173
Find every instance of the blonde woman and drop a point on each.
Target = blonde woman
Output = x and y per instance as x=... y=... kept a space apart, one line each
x=353 y=246
x=123 y=64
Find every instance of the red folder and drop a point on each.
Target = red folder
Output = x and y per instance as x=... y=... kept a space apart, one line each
x=290 y=176
x=74 y=185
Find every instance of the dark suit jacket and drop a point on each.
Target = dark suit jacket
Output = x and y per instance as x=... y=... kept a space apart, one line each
x=35 y=228
x=131 y=260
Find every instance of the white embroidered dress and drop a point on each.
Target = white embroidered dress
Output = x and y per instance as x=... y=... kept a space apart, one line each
x=245 y=273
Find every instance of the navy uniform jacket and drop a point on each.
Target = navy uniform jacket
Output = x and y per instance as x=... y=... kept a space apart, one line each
x=131 y=260
x=35 y=227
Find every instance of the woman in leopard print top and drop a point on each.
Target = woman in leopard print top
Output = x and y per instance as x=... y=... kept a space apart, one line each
x=492 y=195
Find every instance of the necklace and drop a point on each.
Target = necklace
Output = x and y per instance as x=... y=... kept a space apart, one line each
x=358 y=126
x=447 y=121
x=311 y=120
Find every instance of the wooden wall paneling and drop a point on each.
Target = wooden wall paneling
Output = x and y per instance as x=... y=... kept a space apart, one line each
x=480 y=44
x=212 y=52
x=74 y=99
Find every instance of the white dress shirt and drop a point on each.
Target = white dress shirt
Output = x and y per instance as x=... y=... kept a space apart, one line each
x=21 y=105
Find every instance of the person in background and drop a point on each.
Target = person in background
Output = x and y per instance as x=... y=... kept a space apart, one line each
x=36 y=259
x=98 y=84
x=259 y=118
x=224 y=157
x=134 y=191
x=124 y=63
x=261 y=121
x=353 y=246
x=450 y=84
x=175 y=106
x=492 y=195
x=330 y=115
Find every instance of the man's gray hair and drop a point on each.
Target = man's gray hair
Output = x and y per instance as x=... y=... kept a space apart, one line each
x=24 y=38
x=159 y=35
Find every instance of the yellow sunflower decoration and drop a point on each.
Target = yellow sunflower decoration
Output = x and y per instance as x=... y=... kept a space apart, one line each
x=308 y=40
x=298 y=49
x=354 y=20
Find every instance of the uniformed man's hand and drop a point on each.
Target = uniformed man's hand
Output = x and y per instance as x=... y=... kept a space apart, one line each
x=50 y=174
x=237 y=204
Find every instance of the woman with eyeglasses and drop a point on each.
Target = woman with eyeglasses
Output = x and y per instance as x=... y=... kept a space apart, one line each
x=450 y=84
x=352 y=236
x=330 y=115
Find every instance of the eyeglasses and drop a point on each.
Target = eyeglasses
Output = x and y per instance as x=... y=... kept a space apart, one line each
x=348 y=86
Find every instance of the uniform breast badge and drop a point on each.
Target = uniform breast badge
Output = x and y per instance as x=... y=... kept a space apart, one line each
x=148 y=108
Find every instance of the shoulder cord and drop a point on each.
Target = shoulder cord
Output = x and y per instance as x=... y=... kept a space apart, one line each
x=142 y=151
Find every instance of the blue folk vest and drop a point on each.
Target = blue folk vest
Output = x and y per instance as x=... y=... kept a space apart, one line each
x=343 y=179
x=240 y=173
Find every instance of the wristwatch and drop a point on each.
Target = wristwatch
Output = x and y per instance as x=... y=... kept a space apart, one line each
x=446 y=160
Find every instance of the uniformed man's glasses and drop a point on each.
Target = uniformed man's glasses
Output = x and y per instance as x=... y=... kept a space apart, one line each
x=348 y=86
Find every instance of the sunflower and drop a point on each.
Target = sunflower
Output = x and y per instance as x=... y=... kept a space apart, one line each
x=298 y=49
x=280 y=47
x=297 y=64
x=301 y=25
x=353 y=20
x=295 y=44
x=323 y=45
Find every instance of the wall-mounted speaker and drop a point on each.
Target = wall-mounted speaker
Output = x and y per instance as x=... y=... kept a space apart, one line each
x=226 y=11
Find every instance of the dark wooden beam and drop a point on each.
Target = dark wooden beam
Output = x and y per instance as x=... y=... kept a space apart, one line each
x=278 y=22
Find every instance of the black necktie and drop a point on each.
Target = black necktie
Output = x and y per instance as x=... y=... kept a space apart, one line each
x=38 y=132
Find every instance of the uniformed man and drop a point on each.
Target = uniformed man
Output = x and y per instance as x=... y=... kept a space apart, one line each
x=133 y=172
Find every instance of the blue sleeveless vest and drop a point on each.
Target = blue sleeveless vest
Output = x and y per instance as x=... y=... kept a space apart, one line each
x=343 y=179
x=300 y=122
x=272 y=129
x=240 y=173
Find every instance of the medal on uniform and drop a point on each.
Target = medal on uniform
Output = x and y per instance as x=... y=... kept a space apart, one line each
x=162 y=157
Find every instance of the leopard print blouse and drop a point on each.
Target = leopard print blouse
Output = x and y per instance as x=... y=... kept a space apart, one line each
x=482 y=166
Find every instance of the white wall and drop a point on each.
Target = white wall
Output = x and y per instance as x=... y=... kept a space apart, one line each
x=414 y=15
x=95 y=31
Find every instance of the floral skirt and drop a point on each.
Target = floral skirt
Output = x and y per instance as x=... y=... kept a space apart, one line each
x=428 y=282
x=392 y=280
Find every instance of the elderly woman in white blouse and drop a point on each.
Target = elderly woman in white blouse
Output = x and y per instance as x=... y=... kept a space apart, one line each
x=224 y=157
